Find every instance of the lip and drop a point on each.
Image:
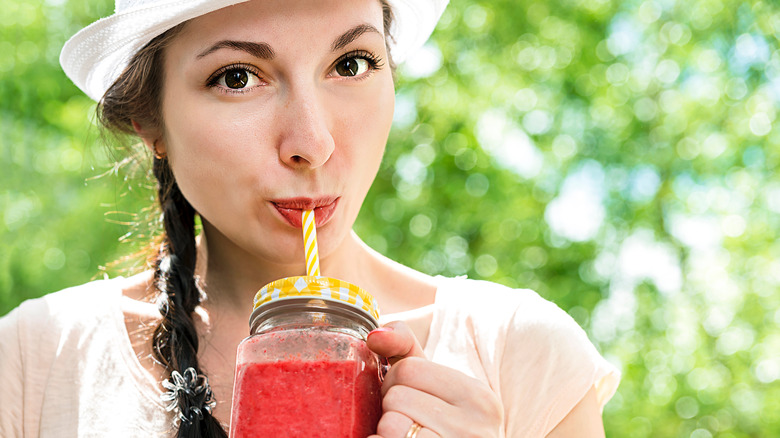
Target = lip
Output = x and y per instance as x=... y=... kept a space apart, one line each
x=291 y=209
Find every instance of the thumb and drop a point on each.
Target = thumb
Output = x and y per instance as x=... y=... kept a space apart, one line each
x=395 y=341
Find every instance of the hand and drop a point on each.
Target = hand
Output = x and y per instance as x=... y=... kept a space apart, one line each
x=444 y=401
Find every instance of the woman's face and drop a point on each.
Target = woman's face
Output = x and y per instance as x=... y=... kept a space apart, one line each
x=274 y=106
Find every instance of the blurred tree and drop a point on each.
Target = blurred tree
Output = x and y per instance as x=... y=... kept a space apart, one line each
x=618 y=157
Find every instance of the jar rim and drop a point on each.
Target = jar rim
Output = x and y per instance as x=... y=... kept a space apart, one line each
x=312 y=287
x=300 y=305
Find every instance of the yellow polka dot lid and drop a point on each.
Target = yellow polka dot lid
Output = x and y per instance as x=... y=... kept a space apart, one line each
x=321 y=288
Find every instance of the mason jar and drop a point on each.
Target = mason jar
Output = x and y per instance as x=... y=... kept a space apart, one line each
x=305 y=369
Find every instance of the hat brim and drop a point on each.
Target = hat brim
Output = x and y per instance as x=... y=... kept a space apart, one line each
x=95 y=57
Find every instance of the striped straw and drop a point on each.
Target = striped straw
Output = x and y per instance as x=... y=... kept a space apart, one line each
x=310 y=243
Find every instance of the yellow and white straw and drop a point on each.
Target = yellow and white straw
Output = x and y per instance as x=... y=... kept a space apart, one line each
x=310 y=243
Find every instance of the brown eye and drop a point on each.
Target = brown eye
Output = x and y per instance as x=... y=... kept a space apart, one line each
x=352 y=67
x=236 y=78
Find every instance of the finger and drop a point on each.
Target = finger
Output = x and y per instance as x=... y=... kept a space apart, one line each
x=430 y=411
x=441 y=381
x=397 y=425
x=395 y=341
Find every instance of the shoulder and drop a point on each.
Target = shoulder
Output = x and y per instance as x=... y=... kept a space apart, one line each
x=525 y=320
x=68 y=306
x=41 y=324
x=499 y=305
x=462 y=287
x=67 y=347
x=501 y=323
x=534 y=354
x=41 y=338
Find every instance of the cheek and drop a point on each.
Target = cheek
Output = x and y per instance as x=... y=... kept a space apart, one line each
x=201 y=146
x=383 y=121
x=370 y=122
x=386 y=108
x=207 y=136
x=200 y=134
x=191 y=148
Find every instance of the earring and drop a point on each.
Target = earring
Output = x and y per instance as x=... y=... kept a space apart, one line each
x=157 y=154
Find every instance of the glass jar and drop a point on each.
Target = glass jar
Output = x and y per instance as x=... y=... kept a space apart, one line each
x=305 y=369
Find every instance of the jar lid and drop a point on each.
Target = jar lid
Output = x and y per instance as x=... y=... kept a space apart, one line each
x=318 y=287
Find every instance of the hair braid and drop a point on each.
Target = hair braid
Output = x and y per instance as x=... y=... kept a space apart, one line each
x=175 y=339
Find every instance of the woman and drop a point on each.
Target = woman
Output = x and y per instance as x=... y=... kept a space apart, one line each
x=255 y=111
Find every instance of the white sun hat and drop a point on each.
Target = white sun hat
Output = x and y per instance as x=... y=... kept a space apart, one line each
x=95 y=57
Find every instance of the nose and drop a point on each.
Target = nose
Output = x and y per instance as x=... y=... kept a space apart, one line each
x=306 y=141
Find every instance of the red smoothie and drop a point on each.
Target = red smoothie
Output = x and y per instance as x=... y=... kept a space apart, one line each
x=314 y=397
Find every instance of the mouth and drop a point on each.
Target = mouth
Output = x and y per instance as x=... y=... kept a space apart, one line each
x=291 y=209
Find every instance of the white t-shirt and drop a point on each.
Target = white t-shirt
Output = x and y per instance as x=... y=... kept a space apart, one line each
x=68 y=368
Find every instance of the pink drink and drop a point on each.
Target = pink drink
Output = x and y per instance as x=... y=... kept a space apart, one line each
x=324 y=384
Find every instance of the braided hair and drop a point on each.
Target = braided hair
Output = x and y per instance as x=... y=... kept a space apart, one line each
x=175 y=339
x=136 y=97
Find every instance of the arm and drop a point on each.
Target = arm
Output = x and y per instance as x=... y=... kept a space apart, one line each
x=583 y=421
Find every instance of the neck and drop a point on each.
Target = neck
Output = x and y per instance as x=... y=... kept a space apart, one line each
x=232 y=278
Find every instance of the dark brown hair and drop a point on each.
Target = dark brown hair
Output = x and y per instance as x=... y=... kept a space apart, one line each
x=136 y=96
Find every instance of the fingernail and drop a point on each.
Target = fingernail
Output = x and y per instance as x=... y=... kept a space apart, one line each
x=379 y=330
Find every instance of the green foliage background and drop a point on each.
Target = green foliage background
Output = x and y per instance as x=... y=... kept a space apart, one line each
x=619 y=157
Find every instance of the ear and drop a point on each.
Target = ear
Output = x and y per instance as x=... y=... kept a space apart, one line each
x=152 y=140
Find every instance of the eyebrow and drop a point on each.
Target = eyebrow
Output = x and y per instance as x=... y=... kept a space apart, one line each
x=352 y=34
x=258 y=50
x=264 y=51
